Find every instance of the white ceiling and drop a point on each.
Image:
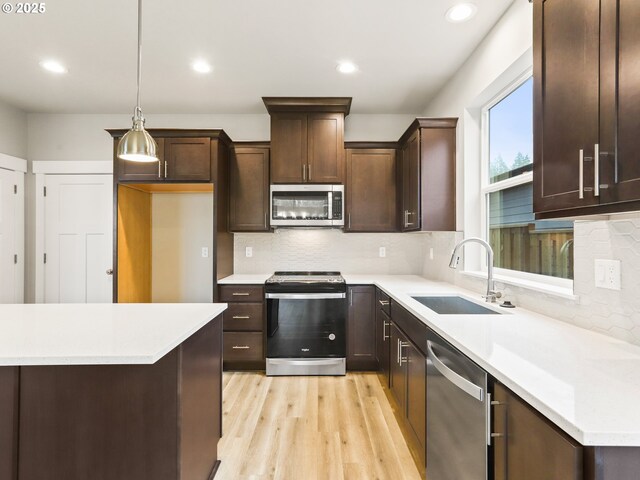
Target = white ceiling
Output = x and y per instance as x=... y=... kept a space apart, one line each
x=405 y=50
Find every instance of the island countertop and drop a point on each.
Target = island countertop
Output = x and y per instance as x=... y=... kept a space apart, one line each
x=97 y=334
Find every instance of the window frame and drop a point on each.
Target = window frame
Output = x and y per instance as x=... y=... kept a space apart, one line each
x=486 y=187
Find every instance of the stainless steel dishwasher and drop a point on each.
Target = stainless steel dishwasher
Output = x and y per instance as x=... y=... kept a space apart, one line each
x=457 y=414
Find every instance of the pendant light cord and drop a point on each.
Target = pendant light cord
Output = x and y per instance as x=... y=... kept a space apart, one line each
x=138 y=112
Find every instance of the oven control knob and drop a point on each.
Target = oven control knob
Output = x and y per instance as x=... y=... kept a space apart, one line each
x=332 y=336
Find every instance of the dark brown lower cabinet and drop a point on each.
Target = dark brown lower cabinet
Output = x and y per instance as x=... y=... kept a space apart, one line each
x=361 y=328
x=383 y=343
x=397 y=373
x=244 y=327
x=9 y=409
x=123 y=422
x=529 y=446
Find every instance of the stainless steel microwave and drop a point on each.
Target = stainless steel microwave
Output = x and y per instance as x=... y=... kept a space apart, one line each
x=307 y=205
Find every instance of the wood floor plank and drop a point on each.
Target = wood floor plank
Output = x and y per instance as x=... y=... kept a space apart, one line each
x=312 y=428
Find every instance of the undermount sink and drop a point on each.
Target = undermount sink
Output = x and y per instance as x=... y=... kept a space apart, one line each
x=454 y=305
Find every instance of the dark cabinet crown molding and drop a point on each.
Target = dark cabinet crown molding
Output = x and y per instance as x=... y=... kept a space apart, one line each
x=308 y=104
x=424 y=122
x=216 y=133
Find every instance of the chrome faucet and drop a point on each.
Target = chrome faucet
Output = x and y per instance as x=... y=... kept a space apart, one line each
x=492 y=294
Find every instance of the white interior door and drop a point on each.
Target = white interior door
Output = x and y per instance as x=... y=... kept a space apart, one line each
x=11 y=236
x=78 y=220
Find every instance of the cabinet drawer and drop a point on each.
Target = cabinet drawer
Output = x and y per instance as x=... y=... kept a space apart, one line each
x=242 y=293
x=414 y=329
x=243 y=346
x=243 y=317
x=383 y=301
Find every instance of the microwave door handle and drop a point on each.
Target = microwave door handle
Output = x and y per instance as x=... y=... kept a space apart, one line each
x=330 y=200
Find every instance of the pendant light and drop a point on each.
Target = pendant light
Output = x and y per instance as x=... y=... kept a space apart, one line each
x=137 y=145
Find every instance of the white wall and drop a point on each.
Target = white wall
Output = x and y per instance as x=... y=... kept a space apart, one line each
x=182 y=224
x=13 y=131
x=83 y=137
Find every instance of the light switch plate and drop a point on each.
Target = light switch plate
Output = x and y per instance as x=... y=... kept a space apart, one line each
x=382 y=251
x=607 y=274
x=248 y=252
x=205 y=252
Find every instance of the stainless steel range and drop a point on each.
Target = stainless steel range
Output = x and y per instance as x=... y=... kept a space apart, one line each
x=306 y=323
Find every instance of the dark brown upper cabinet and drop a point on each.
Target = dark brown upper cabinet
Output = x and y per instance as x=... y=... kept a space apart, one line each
x=307 y=139
x=183 y=157
x=371 y=189
x=586 y=107
x=427 y=175
x=249 y=188
x=187 y=159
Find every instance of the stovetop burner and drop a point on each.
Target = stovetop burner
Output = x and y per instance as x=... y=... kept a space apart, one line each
x=305 y=277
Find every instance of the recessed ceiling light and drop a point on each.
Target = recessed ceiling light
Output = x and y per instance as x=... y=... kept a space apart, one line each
x=461 y=12
x=53 y=66
x=201 y=66
x=346 y=67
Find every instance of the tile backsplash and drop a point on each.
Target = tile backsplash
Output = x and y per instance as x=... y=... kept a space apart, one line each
x=329 y=249
x=611 y=312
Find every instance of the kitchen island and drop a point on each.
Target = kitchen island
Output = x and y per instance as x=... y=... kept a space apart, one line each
x=110 y=391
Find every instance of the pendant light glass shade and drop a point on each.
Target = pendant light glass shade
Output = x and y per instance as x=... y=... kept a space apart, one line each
x=137 y=145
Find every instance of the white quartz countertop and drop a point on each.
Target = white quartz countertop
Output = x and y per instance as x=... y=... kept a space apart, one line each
x=245 y=279
x=97 y=334
x=587 y=383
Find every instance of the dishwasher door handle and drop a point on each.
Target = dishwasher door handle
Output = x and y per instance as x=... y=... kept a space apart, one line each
x=462 y=383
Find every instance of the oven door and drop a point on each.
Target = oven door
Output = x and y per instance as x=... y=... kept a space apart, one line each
x=306 y=329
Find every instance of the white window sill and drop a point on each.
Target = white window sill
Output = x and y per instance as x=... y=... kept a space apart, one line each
x=554 y=290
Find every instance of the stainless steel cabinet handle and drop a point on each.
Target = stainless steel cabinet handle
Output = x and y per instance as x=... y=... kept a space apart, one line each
x=240 y=294
x=385 y=337
x=402 y=345
x=309 y=171
x=241 y=347
x=159 y=169
x=398 y=351
x=462 y=383
x=383 y=302
x=265 y=220
x=406 y=218
x=241 y=317
x=581 y=178
x=165 y=169
x=349 y=214
x=351 y=297
x=596 y=170
x=304 y=172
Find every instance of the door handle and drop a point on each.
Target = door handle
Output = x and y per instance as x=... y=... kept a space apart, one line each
x=402 y=345
x=581 y=178
x=241 y=347
x=241 y=317
x=165 y=169
x=406 y=218
x=159 y=169
x=385 y=337
x=383 y=302
x=309 y=171
x=304 y=172
x=596 y=170
x=240 y=294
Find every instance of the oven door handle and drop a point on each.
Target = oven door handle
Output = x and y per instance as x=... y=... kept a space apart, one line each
x=304 y=296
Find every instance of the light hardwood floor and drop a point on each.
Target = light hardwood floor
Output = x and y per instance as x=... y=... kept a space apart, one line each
x=310 y=428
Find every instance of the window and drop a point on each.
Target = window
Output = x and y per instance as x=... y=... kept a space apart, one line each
x=520 y=243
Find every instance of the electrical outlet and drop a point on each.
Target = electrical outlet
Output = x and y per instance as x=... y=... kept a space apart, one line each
x=607 y=274
x=248 y=252
x=382 y=252
x=205 y=252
